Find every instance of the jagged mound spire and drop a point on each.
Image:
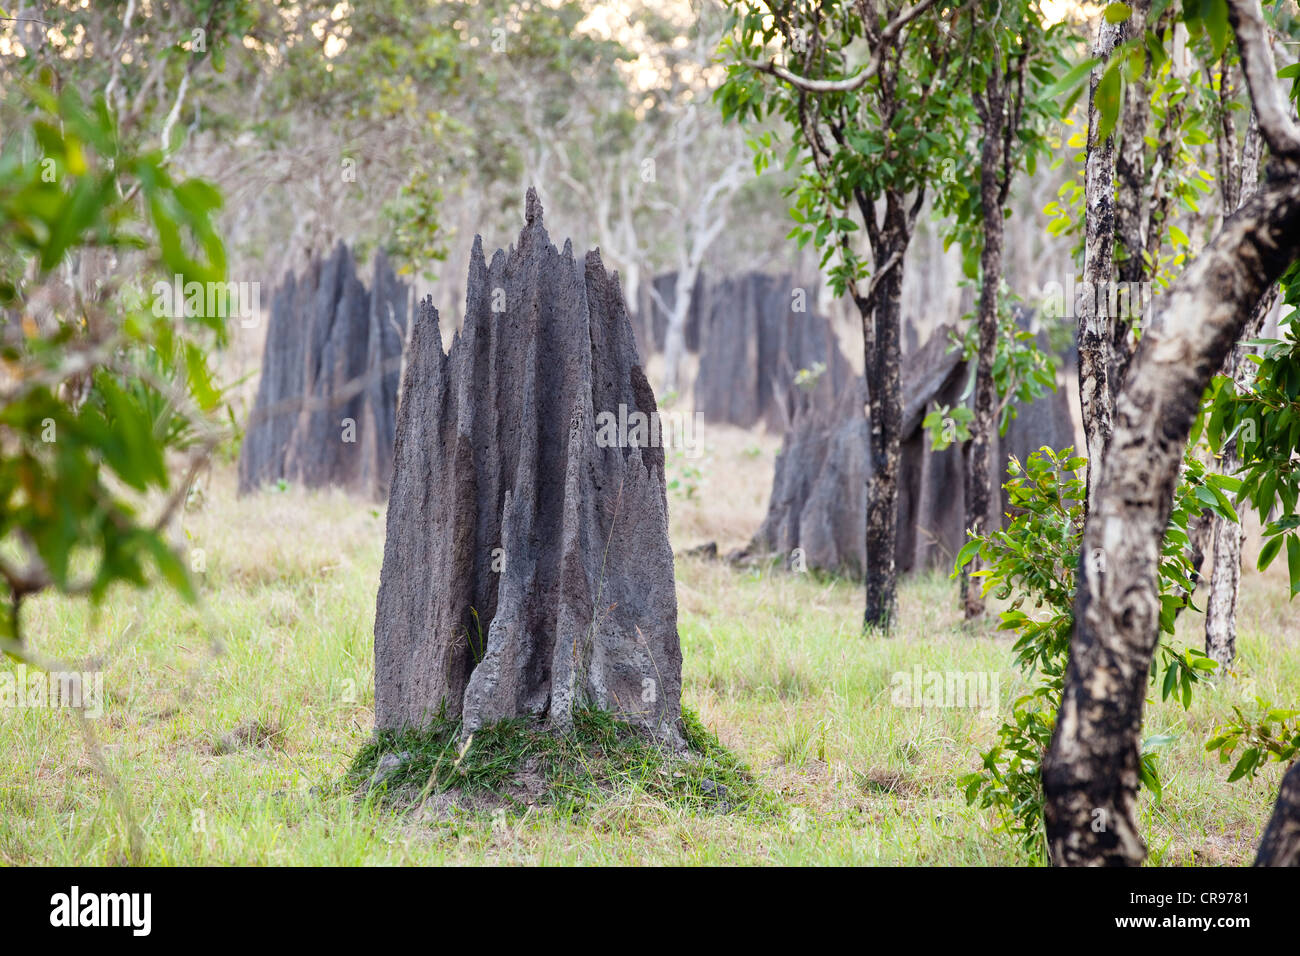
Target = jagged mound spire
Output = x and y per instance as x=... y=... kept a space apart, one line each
x=527 y=569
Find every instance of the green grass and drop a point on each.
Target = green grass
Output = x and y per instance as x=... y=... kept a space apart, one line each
x=240 y=731
x=516 y=765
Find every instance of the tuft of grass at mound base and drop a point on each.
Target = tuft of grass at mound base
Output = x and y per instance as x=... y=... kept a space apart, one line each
x=519 y=763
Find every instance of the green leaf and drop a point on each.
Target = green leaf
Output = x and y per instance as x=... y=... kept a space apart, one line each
x=1071 y=79
x=1171 y=678
x=1293 y=562
x=1267 y=553
x=1245 y=765
x=1218 y=502
x=1215 y=15
x=1107 y=100
x=1150 y=776
x=967 y=552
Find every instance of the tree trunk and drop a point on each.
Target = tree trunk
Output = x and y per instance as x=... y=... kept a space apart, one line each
x=675 y=337
x=980 y=467
x=1225 y=581
x=1131 y=204
x=1226 y=536
x=1091 y=771
x=1096 y=331
x=1163 y=171
x=885 y=418
x=1225 y=576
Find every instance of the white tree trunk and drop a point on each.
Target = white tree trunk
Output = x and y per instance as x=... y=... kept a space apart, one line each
x=1096 y=327
x=1225 y=576
x=1091 y=772
x=675 y=335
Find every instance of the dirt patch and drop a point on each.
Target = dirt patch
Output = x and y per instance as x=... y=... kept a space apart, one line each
x=250 y=734
x=885 y=781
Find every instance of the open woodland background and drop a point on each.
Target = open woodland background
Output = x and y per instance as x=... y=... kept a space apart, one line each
x=232 y=723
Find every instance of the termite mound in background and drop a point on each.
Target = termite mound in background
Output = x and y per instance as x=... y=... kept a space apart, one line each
x=527 y=570
x=755 y=339
x=326 y=406
x=819 y=504
x=754 y=334
x=658 y=297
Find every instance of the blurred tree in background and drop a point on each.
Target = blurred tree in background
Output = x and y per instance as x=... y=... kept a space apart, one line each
x=106 y=388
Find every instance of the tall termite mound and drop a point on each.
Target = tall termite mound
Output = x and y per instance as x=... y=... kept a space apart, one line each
x=527 y=570
x=326 y=404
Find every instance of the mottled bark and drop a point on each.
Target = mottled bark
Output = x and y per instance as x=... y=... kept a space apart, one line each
x=1225 y=582
x=1280 y=845
x=1251 y=152
x=1096 y=327
x=1230 y=178
x=1130 y=169
x=1161 y=176
x=1225 y=573
x=991 y=106
x=885 y=423
x=1131 y=203
x=1090 y=774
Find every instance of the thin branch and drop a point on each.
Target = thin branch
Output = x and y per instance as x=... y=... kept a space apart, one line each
x=116 y=55
x=883 y=271
x=175 y=112
x=859 y=79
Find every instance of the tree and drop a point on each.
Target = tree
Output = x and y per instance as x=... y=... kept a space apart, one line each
x=867 y=140
x=1226 y=535
x=1096 y=327
x=98 y=388
x=1091 y=772
x=658 y=169
x=1007 y=54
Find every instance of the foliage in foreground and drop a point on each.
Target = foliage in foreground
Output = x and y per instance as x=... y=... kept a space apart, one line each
x=1261 y=421
x=1274 y=735
x=96 y=385
x=517 y=762
x=1035 y=558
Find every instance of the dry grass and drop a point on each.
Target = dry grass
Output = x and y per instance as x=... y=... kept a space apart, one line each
x=228 y=726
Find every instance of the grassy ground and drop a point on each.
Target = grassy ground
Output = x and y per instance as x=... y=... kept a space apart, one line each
x=230 y=729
